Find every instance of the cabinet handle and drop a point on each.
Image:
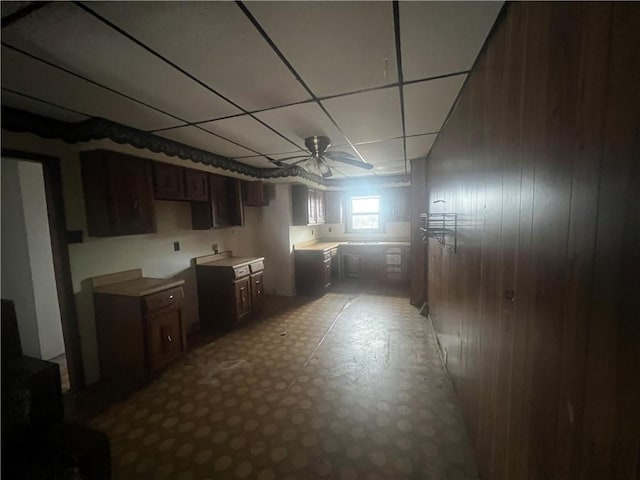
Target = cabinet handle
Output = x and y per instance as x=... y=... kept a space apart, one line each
x=170 y=297
x=258 y=282
x=169 y=338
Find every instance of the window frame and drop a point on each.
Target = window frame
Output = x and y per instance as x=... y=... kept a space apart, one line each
x=350 y=214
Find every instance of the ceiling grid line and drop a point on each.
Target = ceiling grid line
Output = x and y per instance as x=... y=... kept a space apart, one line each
x=275 y=48
x=171 y=68
x=326 y=97
x=177 y=67
x=31 y=97
x=22 y=13
x=112 y=90
x=396 y=29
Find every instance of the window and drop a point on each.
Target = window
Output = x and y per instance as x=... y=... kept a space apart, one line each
x=364 y=214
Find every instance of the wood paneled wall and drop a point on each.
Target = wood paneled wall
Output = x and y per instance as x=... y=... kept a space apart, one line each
x=536 y=309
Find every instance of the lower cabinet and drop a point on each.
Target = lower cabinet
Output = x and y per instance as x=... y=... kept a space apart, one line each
x=314 y=271
x=138 y=335
x=242 y=294
x=257 y=292
x=165 y=338
x=229 y=291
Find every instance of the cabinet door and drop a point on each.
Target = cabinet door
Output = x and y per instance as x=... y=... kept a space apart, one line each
x=235 y=208
x=130 y=195
x=218 y=191
x=257 y=292
x=196 y=186
x=255 y=194
x=319 y=207
x=326 y=270
x=242 y=291
x=169 y=181
x=166 y=342
x=312 y=207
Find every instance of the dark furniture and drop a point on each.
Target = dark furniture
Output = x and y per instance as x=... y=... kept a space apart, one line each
x=36 y=443
x=172 y=182
x=139 y=326
x=230 y=289
x=308 y=205
x=118 y=194
x=224 y=208
x=315 y=269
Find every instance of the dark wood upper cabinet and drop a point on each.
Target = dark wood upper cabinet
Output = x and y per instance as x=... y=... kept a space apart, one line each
x=118 y=194
x=255 y=194
x=224 y=208
x=196 y=186
x=333 y=207
x=168 y=181
x=308 y=205
x=176 y=183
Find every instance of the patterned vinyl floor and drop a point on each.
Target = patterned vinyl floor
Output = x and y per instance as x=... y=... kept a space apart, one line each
x=348 y=386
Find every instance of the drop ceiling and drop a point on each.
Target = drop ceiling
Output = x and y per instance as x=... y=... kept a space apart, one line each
x=251 y=80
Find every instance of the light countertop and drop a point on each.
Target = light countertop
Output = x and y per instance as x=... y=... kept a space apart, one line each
x=232 y=262
x=139 y=287
x=323 y=246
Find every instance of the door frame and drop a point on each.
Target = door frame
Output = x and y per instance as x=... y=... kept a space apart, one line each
x=61 y=263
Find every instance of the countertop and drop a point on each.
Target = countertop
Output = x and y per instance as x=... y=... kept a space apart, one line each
x=139 y=287
x=323 y=246
x=231 y=262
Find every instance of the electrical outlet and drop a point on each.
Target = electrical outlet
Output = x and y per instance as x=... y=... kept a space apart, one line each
x=329 y=229
x=176 y=246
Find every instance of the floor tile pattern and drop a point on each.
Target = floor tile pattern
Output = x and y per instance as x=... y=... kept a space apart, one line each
x=347 y=386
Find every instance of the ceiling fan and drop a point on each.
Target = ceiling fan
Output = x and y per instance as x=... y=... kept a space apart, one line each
x=318 y=157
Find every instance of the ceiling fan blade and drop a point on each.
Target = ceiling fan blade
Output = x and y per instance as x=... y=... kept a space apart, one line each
x=348 y=159
x=336 y=154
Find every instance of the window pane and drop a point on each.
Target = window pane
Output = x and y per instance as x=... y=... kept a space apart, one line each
x=365 y=222
x=365 y=205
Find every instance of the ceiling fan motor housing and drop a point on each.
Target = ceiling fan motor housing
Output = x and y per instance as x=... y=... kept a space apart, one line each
x=317 y=145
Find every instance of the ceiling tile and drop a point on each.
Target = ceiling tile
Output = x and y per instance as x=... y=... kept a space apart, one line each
x=392 y=168
x=368 y=116
x=443 y=37
x=349 y=171
x=419 y=146
x=74 y=93
x=198 y=138
x=382 y=152
x=300 y=121
x=258 y=162
x=113 y=60
x=427 y=104
x=216 y=43
x=35 y=106
x=336 y=47
x=247 y=131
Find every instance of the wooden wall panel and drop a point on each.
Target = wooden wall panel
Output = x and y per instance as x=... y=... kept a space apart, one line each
x=535 y=310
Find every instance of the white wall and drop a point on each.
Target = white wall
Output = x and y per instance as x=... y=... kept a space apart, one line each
x=28 y=276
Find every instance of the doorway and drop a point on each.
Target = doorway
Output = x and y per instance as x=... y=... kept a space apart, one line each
x=35 y=262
